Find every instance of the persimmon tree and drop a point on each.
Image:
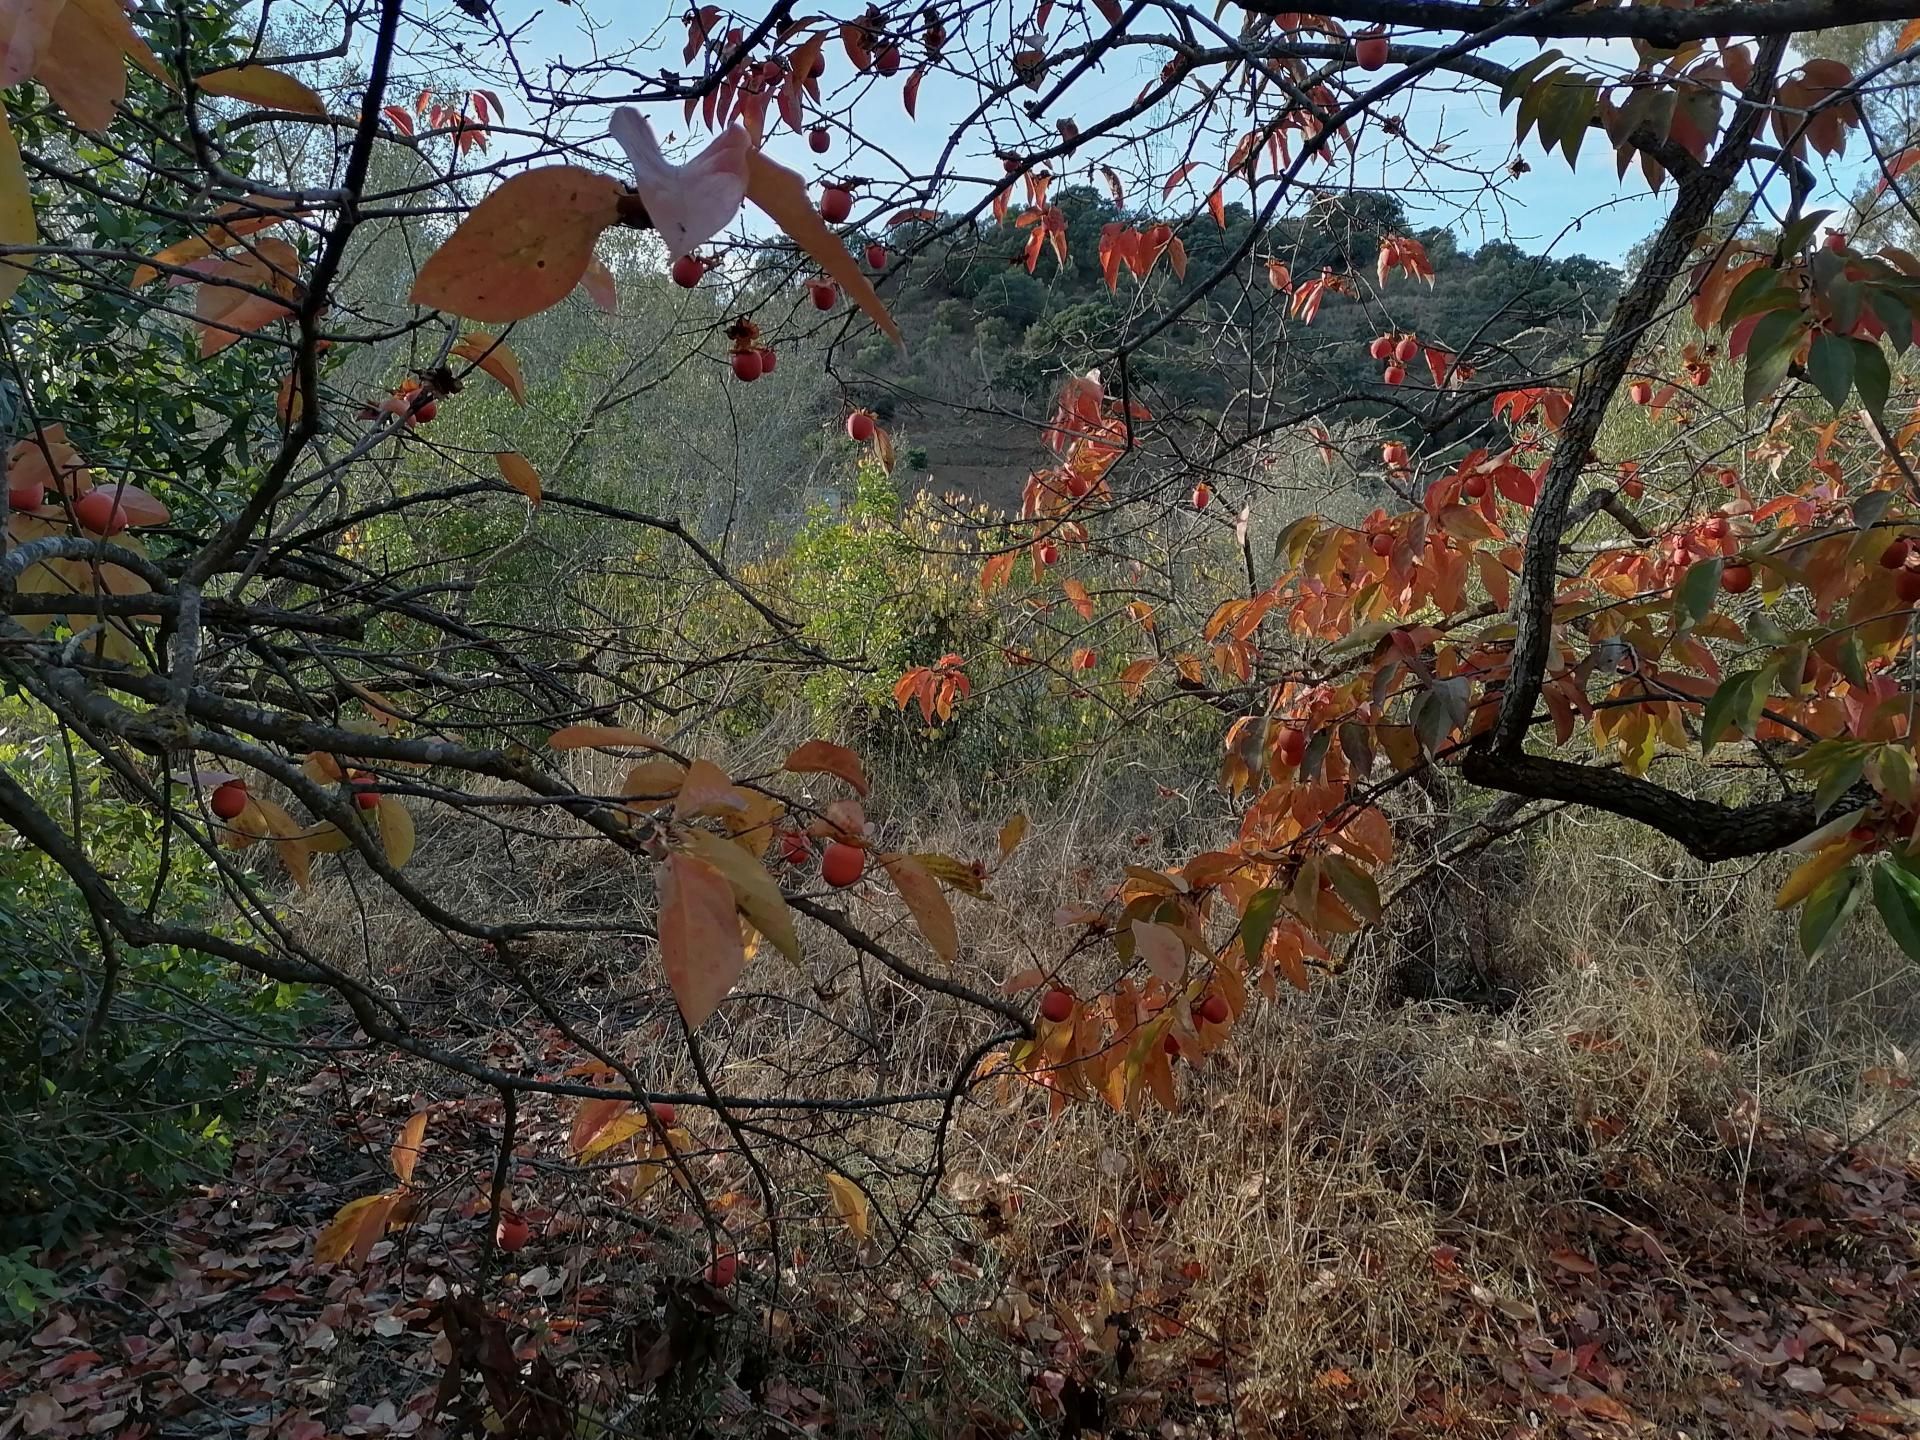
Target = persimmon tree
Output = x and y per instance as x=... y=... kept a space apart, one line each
x=1710 y=635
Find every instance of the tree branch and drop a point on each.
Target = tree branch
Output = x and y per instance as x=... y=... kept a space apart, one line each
x=1707 y=830
x=1665 y=29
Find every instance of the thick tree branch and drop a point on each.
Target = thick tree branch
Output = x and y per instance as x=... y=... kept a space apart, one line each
x=1666 y=29
x=1699 y=194
x=1707 y=830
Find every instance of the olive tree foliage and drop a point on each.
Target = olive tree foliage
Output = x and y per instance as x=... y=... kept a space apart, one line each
x=369 y=471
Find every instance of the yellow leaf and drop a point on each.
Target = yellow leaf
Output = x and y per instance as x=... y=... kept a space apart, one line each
x=824 y=757
x=496 y=357
x=622 y=1129
x=751 y=827
x=261 y=85
x=1012 y=833
x=645 y=1177
x=850 y=1202
x=700 y=943
x=16 y=212
x=406 y=1150
x=590 y=1119
x=355 y=1228
x=523 y=248
x=326 y=838
x=289 y=841
x=754 y=890
x=599 y=737
x=925 y=900
x=783 y=195
x=1809 y=875
x=396 y=830
x=654 y=780
x=965 y=875
x=519 y=474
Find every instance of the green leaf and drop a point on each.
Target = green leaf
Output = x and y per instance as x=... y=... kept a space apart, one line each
x=1316 y=755
x=1830 y=368
x=1836 y=782
x=1696 y=592
x=1820 y=917
x=1896 y=895
x=1801 y=231
x=1354 y=886
x=1852 y=660
x=1257 y=923
x=1757 y=292
x=1523 y=76
x=1729 y=702
x=1770 y=353
x=1871 y=376
x=1894 y=314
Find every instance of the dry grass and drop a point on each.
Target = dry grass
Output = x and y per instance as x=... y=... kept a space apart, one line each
x=1297 y=1242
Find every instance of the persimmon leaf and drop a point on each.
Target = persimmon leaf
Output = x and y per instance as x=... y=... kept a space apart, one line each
x=927 y=903
x=1896 y=895
x=700 y=943
x=406 y=1150
x=754 y=890
x=16 y=212
x=523 y=248
x=515 y=470
x=850 y=1204
x=396 y=830
x=1164 y=953
x=783 y=195
x=355 y=1228
x=824 y=757
x=262 y=85
x=496 y=357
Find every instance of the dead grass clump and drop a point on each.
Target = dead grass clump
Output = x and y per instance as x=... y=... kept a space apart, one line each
x=1311 y=1212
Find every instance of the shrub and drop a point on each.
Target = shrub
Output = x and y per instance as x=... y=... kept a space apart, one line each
x=105 y=1109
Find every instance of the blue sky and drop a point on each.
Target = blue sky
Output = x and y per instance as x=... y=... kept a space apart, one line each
x=1552 y=207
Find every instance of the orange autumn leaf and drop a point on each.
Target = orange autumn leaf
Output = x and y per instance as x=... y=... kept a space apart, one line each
x=515 y=470
x=264 y=86
x=1076 y=594
x=783 y=196
x=594 y=737
x=496 y=357
x=926 y=902
x=241 y=295
x=406 y=1150
x=231 y=223
x=822 y=757
x=523 y=248
x=700 y=943
x=78 y=50
x=355 y=1228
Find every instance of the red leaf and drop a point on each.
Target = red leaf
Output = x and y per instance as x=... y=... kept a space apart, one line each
x=823 y=757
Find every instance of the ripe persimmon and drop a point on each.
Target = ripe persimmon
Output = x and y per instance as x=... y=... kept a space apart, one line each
x=842 y=864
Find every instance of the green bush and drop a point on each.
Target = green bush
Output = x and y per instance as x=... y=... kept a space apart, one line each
x=98 y=1121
